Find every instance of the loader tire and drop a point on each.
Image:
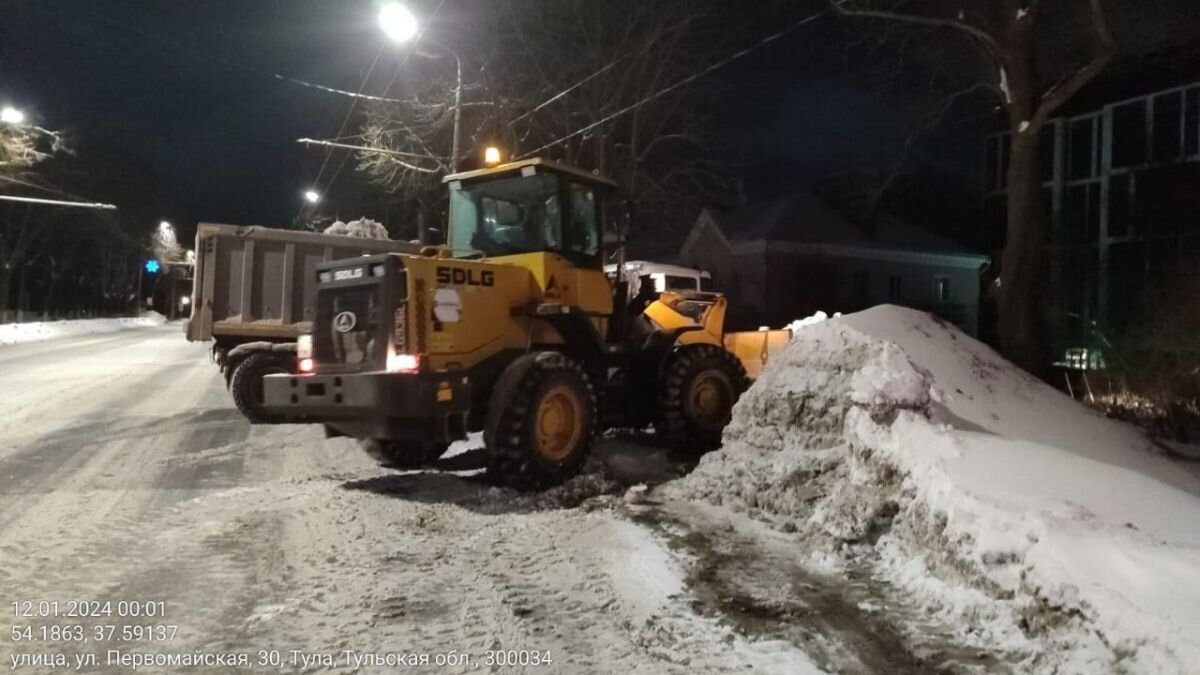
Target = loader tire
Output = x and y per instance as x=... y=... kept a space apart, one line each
x=403 y=454
x=246 y=385
x=698 y=388
x=540 y=421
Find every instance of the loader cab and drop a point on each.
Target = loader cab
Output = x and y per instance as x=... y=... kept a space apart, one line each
x=529 y=206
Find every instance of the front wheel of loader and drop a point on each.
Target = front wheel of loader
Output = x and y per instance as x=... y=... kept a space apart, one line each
x=699 y=386
x=403 y=454
x=246 y=384
x=540 y=421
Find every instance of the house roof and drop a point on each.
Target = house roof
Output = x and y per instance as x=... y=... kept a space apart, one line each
x=806 y=218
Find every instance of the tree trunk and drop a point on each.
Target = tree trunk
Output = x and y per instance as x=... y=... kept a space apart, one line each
x=1024 y=253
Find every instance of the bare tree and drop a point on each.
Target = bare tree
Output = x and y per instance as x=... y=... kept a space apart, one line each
x=21 y=147
x=1003 y=34
x=576 y=81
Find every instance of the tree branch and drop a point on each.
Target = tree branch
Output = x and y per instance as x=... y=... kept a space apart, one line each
x=1065 y=89
x=983 y=37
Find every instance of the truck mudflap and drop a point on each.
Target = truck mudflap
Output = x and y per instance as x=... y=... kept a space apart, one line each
x=377 y=405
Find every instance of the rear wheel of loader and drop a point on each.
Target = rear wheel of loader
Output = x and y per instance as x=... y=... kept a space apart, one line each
x=699 y=387
x=540 y=421
x=404 y=454
x=246 y=384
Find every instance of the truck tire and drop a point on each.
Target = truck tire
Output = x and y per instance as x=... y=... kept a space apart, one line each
x=540 y=421
x=698 y=388
x=403 y=454
x=247 y=387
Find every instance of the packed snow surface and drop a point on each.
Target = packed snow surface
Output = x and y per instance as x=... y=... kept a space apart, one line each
x=364 y=228
x=1063 y=539
x=35 y=331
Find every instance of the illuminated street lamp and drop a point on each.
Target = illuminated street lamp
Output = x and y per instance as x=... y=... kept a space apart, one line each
x=312 y=196
x=491 y=156
x=10 y=115
x=397 y=22
x=400 y=26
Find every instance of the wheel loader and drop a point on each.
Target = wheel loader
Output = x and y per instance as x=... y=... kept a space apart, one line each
x=513 y=329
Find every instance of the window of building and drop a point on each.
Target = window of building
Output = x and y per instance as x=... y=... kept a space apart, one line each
x=1129 y=134
x=1168 y=126
x=1082 y=146
x=859 y=287
x=1191 y=122
x=1120 y=205
x=895 y=288
x=941 y=289
x=1075 y=216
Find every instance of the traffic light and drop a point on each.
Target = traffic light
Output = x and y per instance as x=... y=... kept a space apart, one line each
x=152 y=266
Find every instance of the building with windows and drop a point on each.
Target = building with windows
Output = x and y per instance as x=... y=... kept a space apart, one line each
x=1121 y=186
x=791 y=257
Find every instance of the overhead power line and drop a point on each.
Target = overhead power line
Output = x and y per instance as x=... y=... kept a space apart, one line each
x=363 y=148
x=564 y=92
x=386 y=90
x=681 y=83
x=240 y=66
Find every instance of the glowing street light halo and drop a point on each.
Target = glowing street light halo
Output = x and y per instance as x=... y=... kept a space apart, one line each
x=398 y=23
x=10 y=115
x=312 y=196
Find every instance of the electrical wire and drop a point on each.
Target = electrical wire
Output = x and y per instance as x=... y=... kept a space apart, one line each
x=349 y=113
x=386 y=90
x=685 y=81
x=566 y=91
x=236 y=65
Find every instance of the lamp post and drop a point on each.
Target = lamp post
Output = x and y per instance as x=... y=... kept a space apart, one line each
x=400 y=26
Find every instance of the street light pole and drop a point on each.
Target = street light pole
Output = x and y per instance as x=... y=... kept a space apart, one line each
x=400 y=26
x=457 y=113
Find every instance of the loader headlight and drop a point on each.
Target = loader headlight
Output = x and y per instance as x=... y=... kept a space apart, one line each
x=403 y=363
x=304 y=347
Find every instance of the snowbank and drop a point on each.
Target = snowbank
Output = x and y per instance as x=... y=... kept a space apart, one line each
x=363 y=227
x=1042 y=529
x=36 y=331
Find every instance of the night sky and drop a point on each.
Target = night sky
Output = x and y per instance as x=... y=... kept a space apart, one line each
x=157 y=82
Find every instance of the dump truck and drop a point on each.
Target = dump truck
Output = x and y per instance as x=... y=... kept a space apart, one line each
x=512 y=328
x=253 y=294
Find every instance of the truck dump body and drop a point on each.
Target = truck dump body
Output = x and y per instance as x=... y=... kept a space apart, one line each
x=259 y=283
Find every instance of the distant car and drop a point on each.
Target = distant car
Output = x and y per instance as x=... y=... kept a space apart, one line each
x=664 y=277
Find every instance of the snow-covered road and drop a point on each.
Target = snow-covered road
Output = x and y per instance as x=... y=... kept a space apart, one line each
x=127 y=476
x=128 y=481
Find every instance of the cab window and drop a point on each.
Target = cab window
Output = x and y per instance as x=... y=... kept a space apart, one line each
x=506 y=216
x=677 y=283
x=583 y=223
x=525 y=214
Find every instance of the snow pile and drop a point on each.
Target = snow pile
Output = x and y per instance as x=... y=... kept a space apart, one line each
x=1042 y=529
x=364 y=228
x=36 y=331
x=809 y=320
